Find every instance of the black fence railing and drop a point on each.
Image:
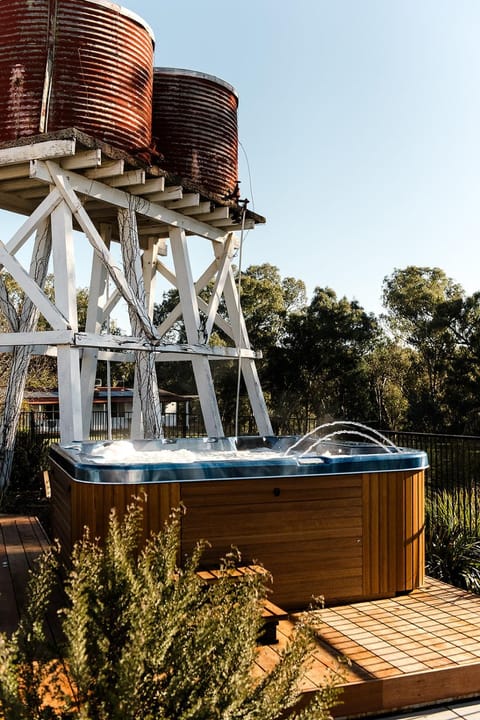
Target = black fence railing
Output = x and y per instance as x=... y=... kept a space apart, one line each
x=454 y=460
x=453 y=476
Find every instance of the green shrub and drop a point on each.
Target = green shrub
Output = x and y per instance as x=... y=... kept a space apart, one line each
x=146 y=639
x=453 y=539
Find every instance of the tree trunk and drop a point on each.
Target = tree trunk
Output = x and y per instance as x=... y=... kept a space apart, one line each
x=145 y=368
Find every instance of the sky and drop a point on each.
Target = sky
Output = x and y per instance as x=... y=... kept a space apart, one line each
x=359 y=123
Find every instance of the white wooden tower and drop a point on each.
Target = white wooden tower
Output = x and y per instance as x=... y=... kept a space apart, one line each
x=68 y=181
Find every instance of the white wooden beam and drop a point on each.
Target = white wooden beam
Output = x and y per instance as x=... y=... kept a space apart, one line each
x=153 y=229
x=189 y=200
x=170 y=193
x=43 y=337
x=149 y=264
x=37 y=151
x=62 y=183
x=16 y=204
x=107 y=169
x=220 y=213
x=131 y=177
x=232 y=225
x=97 y=298
x=155 y=185
x=8 y=172
x=83 y=159
x=129 y=343
x=224 y=260
x=247 y=367
x=68 y=359
x=68 y=370
x=120 y=199
x=46 y=207
x=51 y=313
x=18 y=184
x=201 y=208
x=195 y=335
x=64 y=264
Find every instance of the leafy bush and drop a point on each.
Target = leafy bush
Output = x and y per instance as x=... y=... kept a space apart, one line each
x=453 y=539
x=146 y=639
x=29 y=460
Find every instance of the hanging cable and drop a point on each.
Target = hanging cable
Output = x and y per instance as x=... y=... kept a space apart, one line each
x=249 y=175
x=239 y=337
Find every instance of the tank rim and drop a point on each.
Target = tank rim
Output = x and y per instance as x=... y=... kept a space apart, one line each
x=195 y=73
x=127 y=13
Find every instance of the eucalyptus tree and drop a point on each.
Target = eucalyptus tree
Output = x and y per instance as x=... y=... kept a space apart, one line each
x=422 y=304
x=267 y=301
x=320 y=367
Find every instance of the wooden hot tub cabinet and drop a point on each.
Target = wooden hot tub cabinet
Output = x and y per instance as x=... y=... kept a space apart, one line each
x=344 y=537
x=353 y=537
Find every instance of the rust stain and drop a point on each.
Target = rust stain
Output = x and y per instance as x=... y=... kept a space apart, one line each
x=83 y=64
x=195 y=128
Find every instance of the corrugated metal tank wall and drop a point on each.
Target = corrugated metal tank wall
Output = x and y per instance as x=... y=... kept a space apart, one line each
x=85 y=64
x=195 y=128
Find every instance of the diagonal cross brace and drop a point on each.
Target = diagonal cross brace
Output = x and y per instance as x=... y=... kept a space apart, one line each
x=60 y=179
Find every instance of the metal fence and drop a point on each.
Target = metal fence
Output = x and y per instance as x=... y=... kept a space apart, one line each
x=454 y=459
x=453 y=478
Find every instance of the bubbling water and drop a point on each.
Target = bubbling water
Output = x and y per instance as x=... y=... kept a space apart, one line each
x=327 y=440
x=124 y=452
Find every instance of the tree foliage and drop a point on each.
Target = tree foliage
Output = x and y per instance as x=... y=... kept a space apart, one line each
x=320 y=365
x=415 y=366
x=146 y=639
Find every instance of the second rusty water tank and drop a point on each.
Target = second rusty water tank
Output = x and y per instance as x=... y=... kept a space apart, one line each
x=195 y=129
x=86 y=64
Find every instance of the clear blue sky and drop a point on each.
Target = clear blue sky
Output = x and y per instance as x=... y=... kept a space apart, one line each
x=361 y=123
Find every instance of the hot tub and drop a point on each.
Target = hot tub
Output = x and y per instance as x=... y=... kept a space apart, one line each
x=342 y=520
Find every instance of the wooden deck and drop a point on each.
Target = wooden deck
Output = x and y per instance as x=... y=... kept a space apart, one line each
x=417 y=649
x=22 y=539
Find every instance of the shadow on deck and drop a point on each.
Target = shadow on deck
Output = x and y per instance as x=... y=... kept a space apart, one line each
x=417 y=649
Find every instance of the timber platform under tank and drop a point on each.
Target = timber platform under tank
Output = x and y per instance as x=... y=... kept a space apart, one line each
x=346 y=526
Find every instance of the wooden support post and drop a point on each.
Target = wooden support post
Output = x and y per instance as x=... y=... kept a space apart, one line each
x=68 y=358
x=97 y=300
x=248 y=367
x=195 y=333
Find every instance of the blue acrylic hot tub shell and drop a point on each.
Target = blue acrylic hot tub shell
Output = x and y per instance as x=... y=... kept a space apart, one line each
x=77 y=460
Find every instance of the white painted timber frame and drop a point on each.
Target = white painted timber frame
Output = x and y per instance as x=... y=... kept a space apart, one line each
x=71 y=187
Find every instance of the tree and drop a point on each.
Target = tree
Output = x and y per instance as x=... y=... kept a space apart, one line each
x=319 y=368
x=391 y=367
x=267 y=300
x=420 y=302
x=149 y=640
x=462 y=385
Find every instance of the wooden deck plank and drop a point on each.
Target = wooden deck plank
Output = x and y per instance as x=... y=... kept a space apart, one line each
x=8 y=603
x=22 y=539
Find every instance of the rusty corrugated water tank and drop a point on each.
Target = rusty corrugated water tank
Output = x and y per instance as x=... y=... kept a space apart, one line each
x=86 y=64
x=195 y=129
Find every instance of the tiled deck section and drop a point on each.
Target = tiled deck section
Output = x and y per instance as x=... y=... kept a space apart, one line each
x=411 y=651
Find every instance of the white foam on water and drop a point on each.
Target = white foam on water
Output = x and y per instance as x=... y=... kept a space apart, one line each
x=123 y=452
